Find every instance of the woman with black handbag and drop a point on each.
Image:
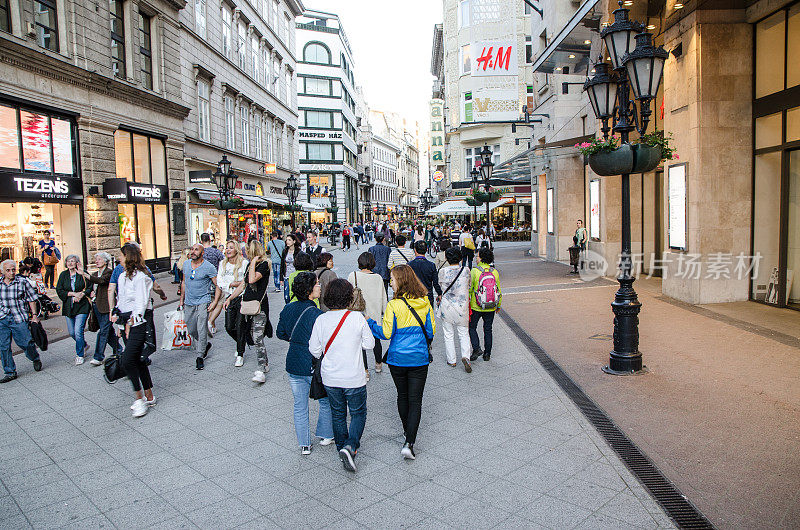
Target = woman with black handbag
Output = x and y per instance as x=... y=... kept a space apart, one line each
x=409 y=325
x=295 y=325
x=133 y=296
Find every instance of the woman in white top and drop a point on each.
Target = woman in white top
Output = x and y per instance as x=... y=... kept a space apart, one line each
x=337 y=339
x=481 y=239
x=454 y=307
x=372 y=288
x=133 y=296
x=230 y=274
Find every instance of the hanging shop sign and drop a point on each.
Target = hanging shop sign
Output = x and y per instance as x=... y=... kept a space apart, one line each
x=438 y=176
x=40 y=188
x=118 y=189
x=437 y=132
x=491 y=104
x=202 y=176
x=494 y=58
x=270 y=169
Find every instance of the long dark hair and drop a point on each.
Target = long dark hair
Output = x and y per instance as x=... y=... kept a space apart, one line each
x=133 y=260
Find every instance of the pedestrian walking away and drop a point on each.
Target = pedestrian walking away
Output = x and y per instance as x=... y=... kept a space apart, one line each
x=295 y=325
x=74 y=292
x=400 y=255
x=425 y=270
x=199 y=277
x=230 y=275
x=374 y=293
x=337 y=339
x=211 y=253
x=275 y=249
x=381 y=252
x=409 y=325
x=454 y=308
x=485 y=297
x=99 y=281
x=17 y=309
x=133 y=298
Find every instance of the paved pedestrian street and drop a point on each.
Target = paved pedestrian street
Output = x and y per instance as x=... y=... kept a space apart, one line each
x=501 y=447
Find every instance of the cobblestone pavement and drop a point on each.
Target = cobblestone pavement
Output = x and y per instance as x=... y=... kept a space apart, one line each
x=501 y=447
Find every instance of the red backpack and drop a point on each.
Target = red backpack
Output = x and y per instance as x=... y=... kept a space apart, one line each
x=487 y=295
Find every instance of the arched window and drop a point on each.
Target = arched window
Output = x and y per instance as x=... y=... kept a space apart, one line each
x=315 y=52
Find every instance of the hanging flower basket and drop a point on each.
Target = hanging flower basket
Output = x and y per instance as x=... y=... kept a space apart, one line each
x=646 y=158
x=473 y=202
x=608 y=163
x=293 y=207
x=332 y=209
x=231 y=204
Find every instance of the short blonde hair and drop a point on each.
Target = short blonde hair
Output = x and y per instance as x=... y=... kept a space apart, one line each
x=255 y=248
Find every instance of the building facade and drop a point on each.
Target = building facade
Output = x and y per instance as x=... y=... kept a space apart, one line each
x=720 y=223
x=91 y=128
x=393 y=127
x=385 y=189
x=238 y=72
x=486 y=52
x=327 y=123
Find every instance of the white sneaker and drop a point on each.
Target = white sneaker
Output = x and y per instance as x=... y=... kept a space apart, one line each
x=378 y=368
x=95 y=362
x=139 y=408
x=149 y=403
x=212 y=329
x=305 y=450
x=78 y=360
x=259 y=377
x=326 y=441
x=239 y=361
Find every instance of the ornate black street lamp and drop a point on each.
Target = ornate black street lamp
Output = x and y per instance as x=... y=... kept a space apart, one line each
x=225 y=179
x=367 y=210
x=639 y=68
x=292 y=190
x=486 y=172
x=476 y=187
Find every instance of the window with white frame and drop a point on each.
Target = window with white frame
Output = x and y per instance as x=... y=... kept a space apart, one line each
x=286 y=26
x=200 y=17
x=268 y=143
x=464 y=13
x=288 y=85
x=465 y=59
x=290 y=141
x=117 y=14
x=254 y=56
x=470 y=157
x=230 y=121
x=227 y=42
x=319 y=151
x=276 y=76
x=319 y=118
x=278 y=143
x=286 y=151
x=203 y=111
x=257 y=136
x=528 y=49
x=244 y=120
x=264 y=66
x=321 y=87
x=276 y=8
x=263 y=9
x=241 y=45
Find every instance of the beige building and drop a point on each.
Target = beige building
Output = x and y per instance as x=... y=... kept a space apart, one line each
x=722 y=222
x=91 y=128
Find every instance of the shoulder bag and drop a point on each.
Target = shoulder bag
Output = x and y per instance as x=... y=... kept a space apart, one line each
x=454 y=280
x=428 y=340
x=358 y=303
x=317 y=390
x=253 y=307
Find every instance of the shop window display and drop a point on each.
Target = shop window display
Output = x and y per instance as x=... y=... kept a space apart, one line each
x=22 y=226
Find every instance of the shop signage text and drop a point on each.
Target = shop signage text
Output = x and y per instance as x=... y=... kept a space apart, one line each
x=321 y=135
x=437 y=132
x=118 y=189
x=40 y=188
x=495 y=58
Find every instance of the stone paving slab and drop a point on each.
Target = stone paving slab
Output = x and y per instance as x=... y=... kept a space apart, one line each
x=502 y=447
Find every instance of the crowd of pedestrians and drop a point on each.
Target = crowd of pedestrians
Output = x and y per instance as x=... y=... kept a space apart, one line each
x=329 y=322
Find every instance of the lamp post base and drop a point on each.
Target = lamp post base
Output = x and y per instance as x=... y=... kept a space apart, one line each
x=625 y=359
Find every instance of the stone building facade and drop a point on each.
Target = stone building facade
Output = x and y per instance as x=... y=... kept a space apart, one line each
x=92 y=124
x=238 y=75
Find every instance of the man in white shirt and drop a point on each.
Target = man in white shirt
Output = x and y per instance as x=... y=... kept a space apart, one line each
x=400 y=255
x=312 y=247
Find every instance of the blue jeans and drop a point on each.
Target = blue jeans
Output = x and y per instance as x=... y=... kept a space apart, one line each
x=276 y=274
x=356 y=400
x=301 y=384
x=75 y=327
x=22 y=336
x=105 y=335
x=176 y=273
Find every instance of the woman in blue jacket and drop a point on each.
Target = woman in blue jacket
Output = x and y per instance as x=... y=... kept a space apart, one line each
x=409 y=325
x=295 y=325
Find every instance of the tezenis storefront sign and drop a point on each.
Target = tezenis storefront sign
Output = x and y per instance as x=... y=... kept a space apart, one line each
x=40 y=187
x=122 y=190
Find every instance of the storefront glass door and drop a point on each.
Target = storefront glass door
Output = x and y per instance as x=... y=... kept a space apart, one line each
x=793 y=232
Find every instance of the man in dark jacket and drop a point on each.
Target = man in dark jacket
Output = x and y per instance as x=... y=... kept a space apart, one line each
x=425 y=270
x=381 y=254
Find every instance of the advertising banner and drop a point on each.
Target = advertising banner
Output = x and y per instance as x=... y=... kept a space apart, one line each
x=437 y=132
x=492 y=104
x=594 y=205
x=677 y=206
x=493 y=58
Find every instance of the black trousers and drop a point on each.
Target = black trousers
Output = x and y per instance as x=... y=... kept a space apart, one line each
x=49 y=274
x=468 y=254
x=488 y=320
x=346 y=242
x=131 y=359
x=410 y=383
x=377 y=352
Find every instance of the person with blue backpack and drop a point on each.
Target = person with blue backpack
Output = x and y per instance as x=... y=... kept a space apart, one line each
x=484 y=300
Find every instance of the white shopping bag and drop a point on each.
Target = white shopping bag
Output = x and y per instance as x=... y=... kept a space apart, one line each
x=176 y=334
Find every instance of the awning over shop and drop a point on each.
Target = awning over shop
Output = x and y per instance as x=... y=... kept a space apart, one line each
x=569 y=50
x=460 y=207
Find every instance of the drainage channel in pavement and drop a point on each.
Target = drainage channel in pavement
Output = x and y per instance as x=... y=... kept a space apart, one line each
x=675 y=504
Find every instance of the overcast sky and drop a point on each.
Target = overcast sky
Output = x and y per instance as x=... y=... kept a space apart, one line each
x=391 y=42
